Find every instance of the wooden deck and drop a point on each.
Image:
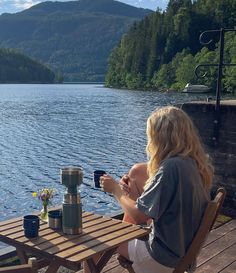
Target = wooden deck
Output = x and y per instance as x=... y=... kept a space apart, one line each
x=217 y=255
x=219 y=251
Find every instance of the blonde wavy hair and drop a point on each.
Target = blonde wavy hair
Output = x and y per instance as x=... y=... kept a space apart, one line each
x=170 y=132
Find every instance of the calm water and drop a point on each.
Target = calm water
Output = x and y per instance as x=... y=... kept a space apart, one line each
x=46 y=127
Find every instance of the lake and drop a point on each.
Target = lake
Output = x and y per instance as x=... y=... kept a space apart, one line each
x=47 y=127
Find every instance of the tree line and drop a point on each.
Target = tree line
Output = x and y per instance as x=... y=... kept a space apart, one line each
x=162 y=50
x=18 y=68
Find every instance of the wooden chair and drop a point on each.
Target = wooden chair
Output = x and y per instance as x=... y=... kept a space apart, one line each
x=31 y=267
x=206 y=225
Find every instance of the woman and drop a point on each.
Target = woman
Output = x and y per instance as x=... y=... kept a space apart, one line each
x=175 y=194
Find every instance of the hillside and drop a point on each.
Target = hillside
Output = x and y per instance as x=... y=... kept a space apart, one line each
x=161 y=51
x=17 y=68
x=74 y=38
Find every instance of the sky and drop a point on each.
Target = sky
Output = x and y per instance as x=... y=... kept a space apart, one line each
x=13 y=6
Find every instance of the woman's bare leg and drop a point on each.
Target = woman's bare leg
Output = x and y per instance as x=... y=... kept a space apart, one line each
x=137 y=179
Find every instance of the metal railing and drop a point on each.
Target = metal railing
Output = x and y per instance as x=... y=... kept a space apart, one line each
x=220 y=65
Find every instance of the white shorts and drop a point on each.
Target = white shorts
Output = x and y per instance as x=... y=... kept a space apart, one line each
x=142 y=260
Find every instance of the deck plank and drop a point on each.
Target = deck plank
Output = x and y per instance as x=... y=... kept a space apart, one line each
x=230 y=269
x=221 y=231
x=219 y=262
x=216 y=247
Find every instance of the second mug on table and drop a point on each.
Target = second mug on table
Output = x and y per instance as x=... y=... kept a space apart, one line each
x=55 y=219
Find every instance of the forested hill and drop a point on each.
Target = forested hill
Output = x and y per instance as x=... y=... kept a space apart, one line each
x=17 y=68
x=73 y=38
x=162 y=50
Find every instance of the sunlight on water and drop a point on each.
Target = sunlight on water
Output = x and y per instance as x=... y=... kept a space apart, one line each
x=46 y=127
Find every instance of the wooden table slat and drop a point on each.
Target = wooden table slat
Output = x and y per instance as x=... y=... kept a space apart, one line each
x=89 y=252
x=90 y=218
x=103 y=239
x=10 y=221
x=17 y=232
x=19 y=236
x=19 y=228
x=97 y=219
x=13 y=221
x=93 y=237
x=56 y=240
x=50 y=234
x=11 y=225
x=18 y=223
x=20 y=233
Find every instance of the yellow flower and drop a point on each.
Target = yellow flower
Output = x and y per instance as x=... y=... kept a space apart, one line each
x=34 y=194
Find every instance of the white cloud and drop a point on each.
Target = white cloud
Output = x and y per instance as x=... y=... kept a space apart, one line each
x=150 y=4
x=13 y=6
x=21 y=5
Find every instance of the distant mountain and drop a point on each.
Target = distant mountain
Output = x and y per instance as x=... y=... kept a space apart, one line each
x=17 y=68
x=74 y=38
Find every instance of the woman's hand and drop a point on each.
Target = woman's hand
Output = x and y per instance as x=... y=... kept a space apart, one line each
x=108 y=183
x=124 y=184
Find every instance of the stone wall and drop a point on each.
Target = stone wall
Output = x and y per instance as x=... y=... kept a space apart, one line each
x=223 y=152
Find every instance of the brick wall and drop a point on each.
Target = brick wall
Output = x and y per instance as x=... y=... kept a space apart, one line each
x=223 y=152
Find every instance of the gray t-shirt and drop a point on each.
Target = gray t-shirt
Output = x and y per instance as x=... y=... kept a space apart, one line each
x=175 y=199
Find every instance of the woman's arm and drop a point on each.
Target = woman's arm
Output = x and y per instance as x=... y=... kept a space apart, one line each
x=108 y=184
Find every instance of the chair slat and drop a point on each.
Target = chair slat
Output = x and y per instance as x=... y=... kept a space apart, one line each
x=16 y=269
x=31 y=267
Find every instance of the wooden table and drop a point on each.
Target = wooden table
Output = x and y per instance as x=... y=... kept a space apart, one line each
x=101 y=235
